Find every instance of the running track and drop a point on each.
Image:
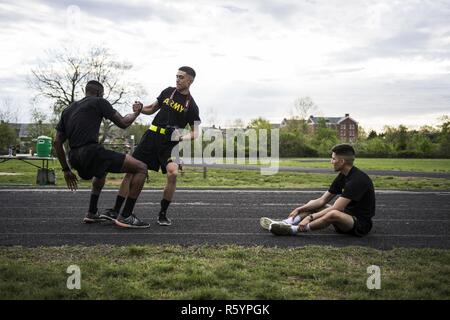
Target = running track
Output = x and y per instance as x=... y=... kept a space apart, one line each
x=49 y=217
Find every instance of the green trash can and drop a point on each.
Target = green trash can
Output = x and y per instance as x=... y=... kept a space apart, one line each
x=44 y=146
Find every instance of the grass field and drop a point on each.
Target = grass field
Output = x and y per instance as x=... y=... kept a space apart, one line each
x=420 y=165
x=230 y=272
x=224 y=272
x=19 y=173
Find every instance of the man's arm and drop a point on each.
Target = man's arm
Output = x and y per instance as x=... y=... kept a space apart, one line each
x=125 y=122
x=313 y=204
x=69 y=176
x=339 y=205
x=150 y=109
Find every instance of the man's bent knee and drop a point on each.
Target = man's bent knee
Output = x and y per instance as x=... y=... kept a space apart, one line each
x=333 y=215
x=172 y=170
x=132 y=165
x=142 y=167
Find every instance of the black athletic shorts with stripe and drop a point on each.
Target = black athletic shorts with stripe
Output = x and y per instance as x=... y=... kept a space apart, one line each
x=155 y=150
x=93 y=160
x=361 y=226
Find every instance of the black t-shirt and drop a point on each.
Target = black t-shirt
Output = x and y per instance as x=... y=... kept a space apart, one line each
x=173 y=112
x=358 y=187
x=80 y=122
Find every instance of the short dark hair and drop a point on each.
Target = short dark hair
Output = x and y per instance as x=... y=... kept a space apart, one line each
x=346 y=151
x=188 y=70
x=94 y=87
x=343 y=149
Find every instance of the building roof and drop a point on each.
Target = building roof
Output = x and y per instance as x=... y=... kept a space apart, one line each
x=330 y=120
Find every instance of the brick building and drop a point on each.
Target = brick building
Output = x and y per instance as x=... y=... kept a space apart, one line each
x=346 y=127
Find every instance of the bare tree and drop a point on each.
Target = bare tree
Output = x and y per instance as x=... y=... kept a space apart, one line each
x=238 y=123
x=303 y=108
x=63 y=76
x=9 y=111
x=39 y=126
x=60 y=78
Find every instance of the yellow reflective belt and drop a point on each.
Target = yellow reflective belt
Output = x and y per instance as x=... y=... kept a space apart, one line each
x=155 y=129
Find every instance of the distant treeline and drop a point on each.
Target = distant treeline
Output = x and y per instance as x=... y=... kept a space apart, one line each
x=400 y=142
x=298 y=141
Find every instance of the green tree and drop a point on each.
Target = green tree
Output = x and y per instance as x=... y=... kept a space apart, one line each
x=137 y=130
x=444 y=139
x=397 y=136
x=39 y=127
x=260 y=123
x=324 y=138
x=375 y=147
x=372 y=135
x=295 y=144
x=8 y=136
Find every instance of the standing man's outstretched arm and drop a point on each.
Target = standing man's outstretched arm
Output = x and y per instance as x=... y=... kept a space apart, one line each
x=126 y=121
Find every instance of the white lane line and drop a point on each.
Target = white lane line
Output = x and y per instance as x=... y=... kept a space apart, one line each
x=382 y=208
x=45 y=219
x=210 y=234
x=224 y=191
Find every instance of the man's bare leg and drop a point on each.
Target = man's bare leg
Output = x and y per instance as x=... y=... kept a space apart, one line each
x=169 y=190
x=171 y=183
x=340 y=219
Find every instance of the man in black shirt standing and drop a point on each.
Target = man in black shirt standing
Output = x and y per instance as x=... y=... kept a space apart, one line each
x=177 y=109
x=80 y=124
x=351 y=213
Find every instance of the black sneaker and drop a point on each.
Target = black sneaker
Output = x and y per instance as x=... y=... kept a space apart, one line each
x=131 y=222
x=109 y=214
x=92 y=218
x=163 y=220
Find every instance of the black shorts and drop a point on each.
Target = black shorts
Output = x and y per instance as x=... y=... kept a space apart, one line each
x=361 y=226
x=93 y=160
x=155 y=150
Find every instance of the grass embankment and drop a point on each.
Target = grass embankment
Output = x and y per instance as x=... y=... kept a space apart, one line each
x=19 y=173
x=223 y=272
x=415 y=165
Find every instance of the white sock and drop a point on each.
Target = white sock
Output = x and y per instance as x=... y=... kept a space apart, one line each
x=294 y=229
x=293 y=221
x=288 y=220
x=306 y=228
x=297 y=220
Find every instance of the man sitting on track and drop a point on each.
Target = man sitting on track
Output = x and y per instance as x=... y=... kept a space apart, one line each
x=350 y=214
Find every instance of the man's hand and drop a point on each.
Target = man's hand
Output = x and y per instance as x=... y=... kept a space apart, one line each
x=303 y=223
x=71 y=180
x=137 y=106
x=294 y=213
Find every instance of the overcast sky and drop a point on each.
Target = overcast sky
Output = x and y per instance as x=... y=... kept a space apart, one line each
x=383 y=62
